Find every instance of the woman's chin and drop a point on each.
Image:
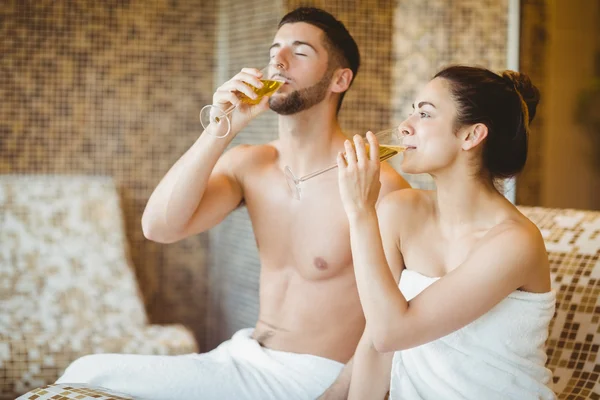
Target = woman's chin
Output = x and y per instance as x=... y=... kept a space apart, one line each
x=407 y=168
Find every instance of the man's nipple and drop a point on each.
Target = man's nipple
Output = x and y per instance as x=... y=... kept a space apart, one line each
x=320 y=263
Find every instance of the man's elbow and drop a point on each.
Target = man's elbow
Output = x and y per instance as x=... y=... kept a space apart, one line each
x=154 y=233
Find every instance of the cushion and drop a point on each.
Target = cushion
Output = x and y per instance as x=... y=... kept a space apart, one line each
x=572 y=239
x=73 y=391
x=63 y=256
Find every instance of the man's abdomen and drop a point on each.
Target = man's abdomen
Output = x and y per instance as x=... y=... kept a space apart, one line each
x=322 y=317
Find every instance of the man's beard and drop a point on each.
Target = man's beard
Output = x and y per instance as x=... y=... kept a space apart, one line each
x=303 y=99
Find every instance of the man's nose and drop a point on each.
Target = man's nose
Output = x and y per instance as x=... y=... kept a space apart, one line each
x=280 y=60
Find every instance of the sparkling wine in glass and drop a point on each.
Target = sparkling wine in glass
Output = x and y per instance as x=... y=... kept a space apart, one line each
x=211 y=114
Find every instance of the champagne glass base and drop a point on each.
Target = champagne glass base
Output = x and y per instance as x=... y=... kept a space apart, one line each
x=293 y=182
x=214 y=121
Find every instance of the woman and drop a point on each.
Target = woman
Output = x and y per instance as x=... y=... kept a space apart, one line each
x=469 y=316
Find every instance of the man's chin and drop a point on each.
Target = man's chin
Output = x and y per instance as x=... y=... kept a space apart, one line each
x=281 y=106
x=274 y=104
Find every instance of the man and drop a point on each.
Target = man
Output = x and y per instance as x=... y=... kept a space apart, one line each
x=310 y=318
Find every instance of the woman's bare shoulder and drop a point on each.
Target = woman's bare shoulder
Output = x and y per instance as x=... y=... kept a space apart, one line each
x=519 y=238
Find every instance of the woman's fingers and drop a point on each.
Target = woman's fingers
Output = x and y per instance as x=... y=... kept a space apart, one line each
x=341 y=160
x=350 y=153
x=373 y=147
x=361 y=151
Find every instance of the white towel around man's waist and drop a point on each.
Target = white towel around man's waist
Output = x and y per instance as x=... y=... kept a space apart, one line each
x=501 y=355
x=238 y=369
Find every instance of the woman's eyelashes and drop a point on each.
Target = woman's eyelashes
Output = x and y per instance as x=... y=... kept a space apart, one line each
x=422 y=114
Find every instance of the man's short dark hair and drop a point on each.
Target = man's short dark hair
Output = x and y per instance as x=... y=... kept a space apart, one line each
x=341 y=46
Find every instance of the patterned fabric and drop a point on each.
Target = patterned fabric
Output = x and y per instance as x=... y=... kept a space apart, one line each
x=67 y=288
x=64 y=256
x=572 y=239
x=75 y=392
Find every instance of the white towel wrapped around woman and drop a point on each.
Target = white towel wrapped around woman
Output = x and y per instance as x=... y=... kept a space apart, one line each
x=498 y=356
x=238 y=369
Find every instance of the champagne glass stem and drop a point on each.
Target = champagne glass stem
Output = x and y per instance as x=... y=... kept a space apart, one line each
x=226 y=113
x=317 y=173
x=391 y=144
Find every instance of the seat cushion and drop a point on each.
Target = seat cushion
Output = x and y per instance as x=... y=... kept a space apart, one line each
x=75 y=392
x=572 y=239
x=36 y=359
x=63 y=255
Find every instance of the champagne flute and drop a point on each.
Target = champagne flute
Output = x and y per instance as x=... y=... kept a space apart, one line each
x=390 y=144
x=211 y=114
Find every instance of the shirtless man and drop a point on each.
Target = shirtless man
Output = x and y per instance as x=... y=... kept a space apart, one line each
x=310 y=318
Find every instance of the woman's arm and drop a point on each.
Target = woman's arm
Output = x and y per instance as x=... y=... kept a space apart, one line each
x=367 y=375
x=499 y=266
x=503 y=262
x=371 y=371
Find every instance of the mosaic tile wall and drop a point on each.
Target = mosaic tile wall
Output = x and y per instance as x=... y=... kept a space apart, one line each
x=112 y=88
x=431 y=34
x=246 y=31
x=245 y=34
x=367 y=106
x=532 y=60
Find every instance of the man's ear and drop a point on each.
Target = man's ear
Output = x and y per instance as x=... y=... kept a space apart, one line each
x=341 y=80
x=474 y=136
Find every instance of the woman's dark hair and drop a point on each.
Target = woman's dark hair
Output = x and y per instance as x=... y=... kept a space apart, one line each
x=505 y=103
x=342 y=48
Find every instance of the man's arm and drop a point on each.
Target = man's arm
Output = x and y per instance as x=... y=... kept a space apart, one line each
x=203 y=187
x=197 y=192
x=391 y=181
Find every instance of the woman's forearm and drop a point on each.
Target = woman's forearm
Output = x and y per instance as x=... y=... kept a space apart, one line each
x=382 y=302
x=371 y=372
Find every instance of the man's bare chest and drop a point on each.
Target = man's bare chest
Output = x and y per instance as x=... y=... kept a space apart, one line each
x=311 y=232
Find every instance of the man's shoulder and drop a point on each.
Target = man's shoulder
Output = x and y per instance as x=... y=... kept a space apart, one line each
x=248 y=155
x=391 y=180
x=254 y=149
x=406 y=203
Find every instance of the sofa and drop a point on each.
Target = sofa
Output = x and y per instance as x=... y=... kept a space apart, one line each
x=67 y=285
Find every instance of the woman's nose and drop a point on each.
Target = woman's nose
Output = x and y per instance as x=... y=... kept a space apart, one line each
x=405 y=128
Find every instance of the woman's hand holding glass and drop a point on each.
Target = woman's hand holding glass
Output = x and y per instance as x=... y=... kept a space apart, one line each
x=358 y=174
x=390 y=142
